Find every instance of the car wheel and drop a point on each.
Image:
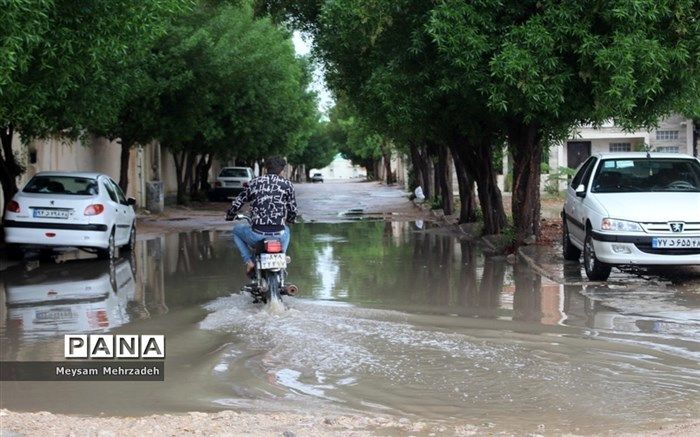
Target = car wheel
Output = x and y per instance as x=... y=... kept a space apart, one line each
x=111 y=251
x=132 y=238
x=570 y=252
x=596 y=270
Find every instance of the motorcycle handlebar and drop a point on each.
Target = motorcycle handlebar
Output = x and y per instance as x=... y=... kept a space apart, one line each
x=232 y=217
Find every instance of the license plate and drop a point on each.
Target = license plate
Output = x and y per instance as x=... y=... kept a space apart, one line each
x=55 y=314
x=676 y=243
x=233 y=184
x=51 y=213
x=273 y=261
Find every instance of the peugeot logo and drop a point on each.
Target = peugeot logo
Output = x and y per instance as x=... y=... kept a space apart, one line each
x=676 y=226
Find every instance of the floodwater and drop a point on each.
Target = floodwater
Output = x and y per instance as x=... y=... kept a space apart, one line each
x=390 y=320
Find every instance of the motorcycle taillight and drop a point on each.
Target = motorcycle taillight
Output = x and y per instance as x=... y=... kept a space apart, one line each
x=273 y=246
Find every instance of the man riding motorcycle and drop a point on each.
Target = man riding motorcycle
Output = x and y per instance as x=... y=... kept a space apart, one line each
x=273 y=206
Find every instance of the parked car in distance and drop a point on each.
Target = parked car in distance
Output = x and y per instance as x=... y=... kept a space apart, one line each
x=71 y=209
x=317 y=177
x=230 y=182
x=633 y=209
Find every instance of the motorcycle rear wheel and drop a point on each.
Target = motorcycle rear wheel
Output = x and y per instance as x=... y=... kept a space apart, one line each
x=273 y=287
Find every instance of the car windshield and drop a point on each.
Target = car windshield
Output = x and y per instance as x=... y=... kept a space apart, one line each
x=234 y=173
x=625 y=175
x=62 y=185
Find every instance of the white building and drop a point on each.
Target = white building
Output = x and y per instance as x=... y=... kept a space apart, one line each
x=340 y=168
x=674 y=134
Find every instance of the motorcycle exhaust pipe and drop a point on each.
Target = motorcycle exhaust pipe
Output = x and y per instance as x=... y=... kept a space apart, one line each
x=291 y=290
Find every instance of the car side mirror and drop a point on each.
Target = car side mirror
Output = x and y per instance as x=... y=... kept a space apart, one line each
x=131 y=201
x=581 y=191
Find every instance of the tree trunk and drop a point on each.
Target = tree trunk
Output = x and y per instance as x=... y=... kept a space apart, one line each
x=201 y=174
x=421 y=165
x=442 y=173
x=431 y=188
x=124 y=163
x=189 y=171
x=526 y=148
x=386 y=155
x=375 y=168
x=179 y=158
x=416 y=165
x=9 y=168
x=467 y=197
x=204 y=181
x=477 y=157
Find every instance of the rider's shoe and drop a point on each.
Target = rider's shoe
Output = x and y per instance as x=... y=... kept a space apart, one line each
x=250 y=269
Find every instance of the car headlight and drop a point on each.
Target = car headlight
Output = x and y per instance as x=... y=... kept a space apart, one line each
x=620 y=225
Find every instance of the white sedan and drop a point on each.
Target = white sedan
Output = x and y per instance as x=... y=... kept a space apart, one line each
x=71 y=209
x=633 y=209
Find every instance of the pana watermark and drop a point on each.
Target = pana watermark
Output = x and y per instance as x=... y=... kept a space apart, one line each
x=114 y=346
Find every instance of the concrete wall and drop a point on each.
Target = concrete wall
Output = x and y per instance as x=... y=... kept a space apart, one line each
x=93 y=154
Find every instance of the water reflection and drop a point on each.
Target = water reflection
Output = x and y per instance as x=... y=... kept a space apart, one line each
x=389 y=315
x=72 y=292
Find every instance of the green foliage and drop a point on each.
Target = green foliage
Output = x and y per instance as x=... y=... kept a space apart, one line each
x=57 y=72
x=563 y=174
x=435 y=202
x=230 y=85
x=319 y=150
x=356 y=139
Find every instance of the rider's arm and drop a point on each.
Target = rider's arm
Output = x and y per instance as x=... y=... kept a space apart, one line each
x=242 y=198
x=291 y=205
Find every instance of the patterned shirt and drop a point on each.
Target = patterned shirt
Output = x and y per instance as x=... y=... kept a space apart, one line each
x=272 y=202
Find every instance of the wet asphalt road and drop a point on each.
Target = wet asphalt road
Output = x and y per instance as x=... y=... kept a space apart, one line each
x=391 y=319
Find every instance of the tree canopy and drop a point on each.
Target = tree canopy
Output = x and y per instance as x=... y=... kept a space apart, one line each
x=57 y=73
x=470 y=75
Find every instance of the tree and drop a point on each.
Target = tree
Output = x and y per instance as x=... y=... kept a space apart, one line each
x=56 y=75
x=471 y=75
x=233 y=87
x=545 y=67
x=319 y=150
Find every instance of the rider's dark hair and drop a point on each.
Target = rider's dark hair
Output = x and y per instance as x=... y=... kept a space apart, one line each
x=275 y=164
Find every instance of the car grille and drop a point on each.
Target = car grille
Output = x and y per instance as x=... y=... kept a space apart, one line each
x=664 y=229
x=646 y=248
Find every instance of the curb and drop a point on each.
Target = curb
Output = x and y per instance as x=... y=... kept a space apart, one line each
x=537 y=268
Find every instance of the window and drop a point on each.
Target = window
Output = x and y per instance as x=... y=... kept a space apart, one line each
x=79 y=186
x=666 y=134
x=234 y=173
x=110 y=191
x=576 y=181
x=668 y=149
x=646 y=175
x=120 y=194
x=620 y=147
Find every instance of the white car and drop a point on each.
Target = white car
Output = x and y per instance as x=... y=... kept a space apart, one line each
x=633 y=209
x=71 y=209
x=230 y=182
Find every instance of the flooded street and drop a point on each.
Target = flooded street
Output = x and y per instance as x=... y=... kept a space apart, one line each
x=390 y=320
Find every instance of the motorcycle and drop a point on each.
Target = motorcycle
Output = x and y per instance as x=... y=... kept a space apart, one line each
x=268 y=278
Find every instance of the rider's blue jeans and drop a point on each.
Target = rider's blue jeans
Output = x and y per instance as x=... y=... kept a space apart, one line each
x=245 y=237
